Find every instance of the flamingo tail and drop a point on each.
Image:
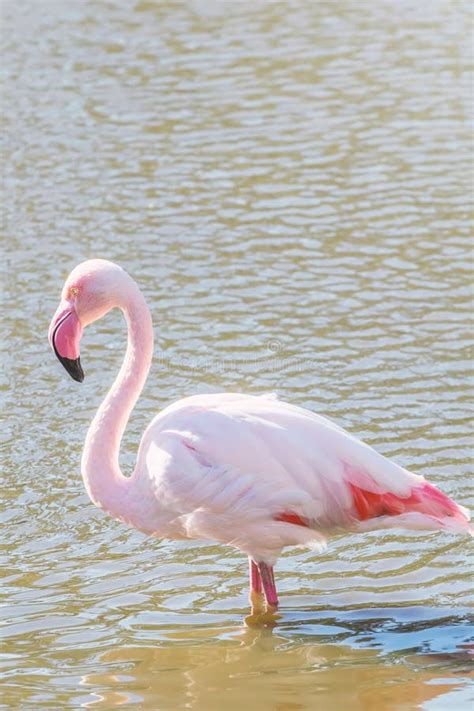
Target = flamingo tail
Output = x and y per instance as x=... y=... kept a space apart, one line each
x=425 y=508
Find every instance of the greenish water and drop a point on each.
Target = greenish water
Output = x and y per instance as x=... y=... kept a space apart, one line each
x=290 y=183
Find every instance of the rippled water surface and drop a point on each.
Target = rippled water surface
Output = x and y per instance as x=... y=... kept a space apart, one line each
x=289 y=182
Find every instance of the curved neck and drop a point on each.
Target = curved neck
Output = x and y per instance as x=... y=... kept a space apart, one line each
x=103 y=479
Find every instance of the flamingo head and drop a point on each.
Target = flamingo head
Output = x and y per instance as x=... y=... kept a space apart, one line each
x=89 y=292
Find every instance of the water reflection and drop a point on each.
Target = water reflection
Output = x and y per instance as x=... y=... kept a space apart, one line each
x=351 y=660
x=250 y=664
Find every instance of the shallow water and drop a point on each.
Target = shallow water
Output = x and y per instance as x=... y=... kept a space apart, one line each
x=289 y=183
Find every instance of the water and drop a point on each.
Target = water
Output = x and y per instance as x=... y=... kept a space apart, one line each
x=289 y=183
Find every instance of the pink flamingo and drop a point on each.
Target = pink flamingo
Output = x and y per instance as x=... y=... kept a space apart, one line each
x=252 y=472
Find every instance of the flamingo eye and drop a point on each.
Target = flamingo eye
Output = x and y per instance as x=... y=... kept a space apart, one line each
x=74 y=291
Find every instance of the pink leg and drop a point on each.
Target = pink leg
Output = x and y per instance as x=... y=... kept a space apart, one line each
x=268 y=582
x=255 y=594
x=255 y=579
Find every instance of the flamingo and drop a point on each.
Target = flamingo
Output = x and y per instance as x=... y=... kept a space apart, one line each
x=248 y=471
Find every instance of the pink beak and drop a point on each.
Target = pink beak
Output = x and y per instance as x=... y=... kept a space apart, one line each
x=64 y=336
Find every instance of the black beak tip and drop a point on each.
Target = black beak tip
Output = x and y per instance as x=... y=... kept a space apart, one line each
x=73 y=367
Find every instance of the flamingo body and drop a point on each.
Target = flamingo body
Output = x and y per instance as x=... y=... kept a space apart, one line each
x=249 y=471
x=261 y=474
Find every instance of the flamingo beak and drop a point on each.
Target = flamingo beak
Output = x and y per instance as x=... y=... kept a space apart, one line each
x=64 y=336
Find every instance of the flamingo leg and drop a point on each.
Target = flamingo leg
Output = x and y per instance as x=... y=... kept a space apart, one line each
x=255 y=596
x=269 y=587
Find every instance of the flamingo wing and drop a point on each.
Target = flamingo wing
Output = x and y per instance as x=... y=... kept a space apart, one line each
x=206 y=500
